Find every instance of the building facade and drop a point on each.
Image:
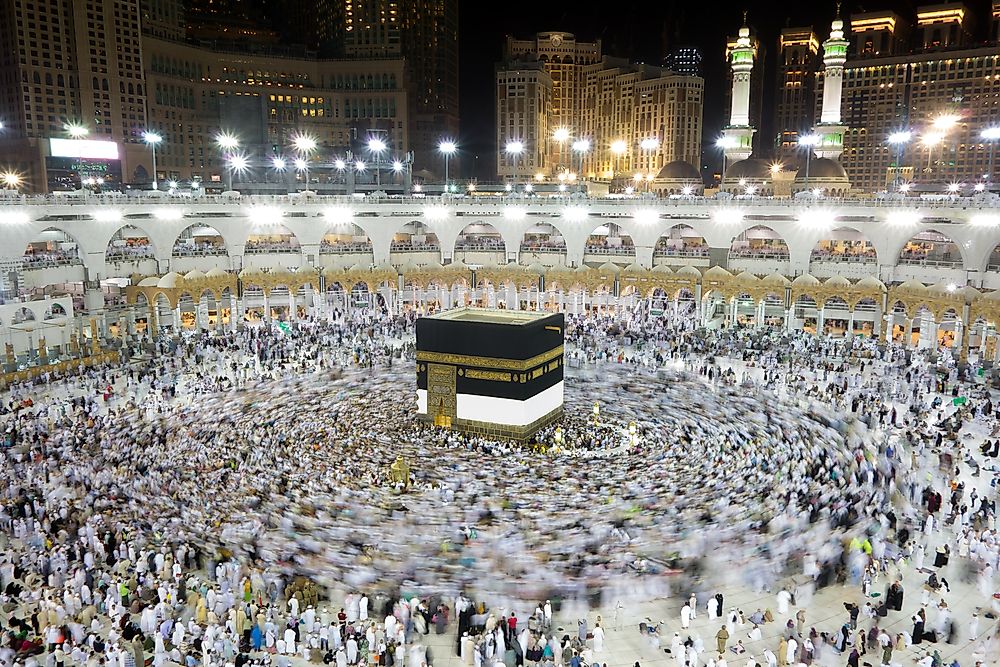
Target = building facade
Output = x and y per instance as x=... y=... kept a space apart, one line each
x=266 y=101
x=798 y=53
x=70 y=64
x=635 y=118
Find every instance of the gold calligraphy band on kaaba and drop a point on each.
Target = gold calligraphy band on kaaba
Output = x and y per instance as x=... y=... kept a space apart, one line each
x=490 y=362
x=556 y=329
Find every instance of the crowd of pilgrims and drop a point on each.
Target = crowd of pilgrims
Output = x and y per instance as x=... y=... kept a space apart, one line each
x=227 y=500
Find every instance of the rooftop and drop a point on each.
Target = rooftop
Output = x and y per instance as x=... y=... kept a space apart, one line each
x=490 y=316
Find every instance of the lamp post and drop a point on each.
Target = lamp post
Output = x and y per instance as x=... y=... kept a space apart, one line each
x=808 y=141
x=561 y=136
x=618 y=148
x=279 y=164
x=305 y=145
x=76 y=130
x=447 y=149
x=152 y=139
x=991 y=134
x=227 y=143
x=11 y=180
x=649 y=146
x=302 y=167
x=236 y=164
x=513 y=149
x=376 y=147
x=581 y=146
x=899 y=139
x=929 y=141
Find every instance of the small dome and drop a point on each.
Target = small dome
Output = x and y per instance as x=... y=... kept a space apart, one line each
x=805 y=280
x=678 y=170
x=216 y=273
x=717 y=273
x=913 y=285
x=360 y=267
x=992 y=296
x=194 y=274
x=750 y=168
x=870 y=282
x=408 y=267
x=536 y=268
x=633 y=268
x=688 y=270
x=151 y=281
x=169 y=281
x=943 y=287
x=663 y=268
x=776 y=279
x=822 y=168
x=837 y=281
x=609 y=267
x=747 y=278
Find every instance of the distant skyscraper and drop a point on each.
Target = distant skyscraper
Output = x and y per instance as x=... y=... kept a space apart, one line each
x=686 y=60
x=794 y=98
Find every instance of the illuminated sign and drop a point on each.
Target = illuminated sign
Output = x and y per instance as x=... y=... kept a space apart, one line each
x=83 y=148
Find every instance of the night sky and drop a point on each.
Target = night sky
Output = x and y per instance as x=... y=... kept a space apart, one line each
x=639 y=30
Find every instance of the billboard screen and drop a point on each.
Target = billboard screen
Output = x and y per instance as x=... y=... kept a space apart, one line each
x=83 y=148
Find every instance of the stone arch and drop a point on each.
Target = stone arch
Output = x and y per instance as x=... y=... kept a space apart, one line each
x=52 y=246
x=345 y=238
x=480 y=236
x=415 y=236
x=22 y=314
x=844 y=244
x=54 y=311
x=680 y=240
x=543 y=236
x=130 y=243
x=199 y=239
x=609 y=238
x=759 y=242
x=930 y=246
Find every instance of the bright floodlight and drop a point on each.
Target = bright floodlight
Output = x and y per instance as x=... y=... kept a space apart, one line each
x=900 y=137
x=932 y=139
x=809 y=140
x=905 y=187
x=561 y=134
x=751 y=189
x=991 y=133
x=304 y=143
x=649 y=144
x=11 y=179
x=776 y=168
x=528 y=187
x=726 y=142
x=954 y=187
x=514 y=147
x=238 y=163
x=628 y=190
x=447 y=147
x=278 y=163
x=618 y=147
x=397 y=166
x=980 y=187
x=227 y=141
x=340 y=165
x=581 y=145
x=151 y=138
x=376 y=145
x=300 y=164
x=637 y=178
x=945 y=121
x=76 y=130
x=172 y=185
x=817 y=192
x=359 y=165
x=687 y=190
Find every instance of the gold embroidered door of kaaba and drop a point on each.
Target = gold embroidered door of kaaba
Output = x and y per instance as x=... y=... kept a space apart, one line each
x=441 y=394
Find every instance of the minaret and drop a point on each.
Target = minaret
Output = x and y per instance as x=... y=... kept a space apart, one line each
x=830 y=129
x=737 y=137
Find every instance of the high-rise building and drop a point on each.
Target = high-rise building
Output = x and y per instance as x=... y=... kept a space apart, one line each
x=635 y=118
x=266 y=100
x=563 y=58
x=794 y=99
x=878 y=34
x=71 y=63
x=995 y=23
x=425 y=33
x=524 y=95
x=234 y=21
x=163 y=18
x=685 y=60
x=944 y=26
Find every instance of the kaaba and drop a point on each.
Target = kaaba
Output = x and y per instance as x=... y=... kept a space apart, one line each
x=497 y=373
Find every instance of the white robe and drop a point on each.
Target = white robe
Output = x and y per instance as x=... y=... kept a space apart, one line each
x=784 y=597
x=686 y=616
x=289 y=641
x=713 y=609
x=598 y=639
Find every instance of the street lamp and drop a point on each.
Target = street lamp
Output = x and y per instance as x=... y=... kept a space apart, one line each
x=899 y=139
x=991 y=134
x=618 y=148
x=278 y=163
x=929 y=141
x=808 y=141
x=11 y=180
x=76 y=130
x=561 y=136
x=581 y=146
x=305 y=145
x=376 y=147
x=649 y=145
x=447 y=149
x=236 y=164
x=513 y=149
x=152 y=139
x=228 y=143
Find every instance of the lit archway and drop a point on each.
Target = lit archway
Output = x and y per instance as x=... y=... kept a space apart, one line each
x=931 y=248
x=844 y=245
x=415 y=237
x=609 y=243
x=479 y=237
x=199 y=241
x=680 y=242
x=52 y=247
x=759 y=242
x=272 y=240
x=345 y=239
x=129 y=244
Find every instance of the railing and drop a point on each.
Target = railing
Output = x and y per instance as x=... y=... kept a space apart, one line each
x=526 y=247
x=466 y=246
x=213 y=251
x=851 y=259
x=671 y=252
x=345 y=248
x=778 y=256
x=414 y=247
x=925 y=261
x=271 y=249
x=129 y=256
x=50 y=262
x=609 y=250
